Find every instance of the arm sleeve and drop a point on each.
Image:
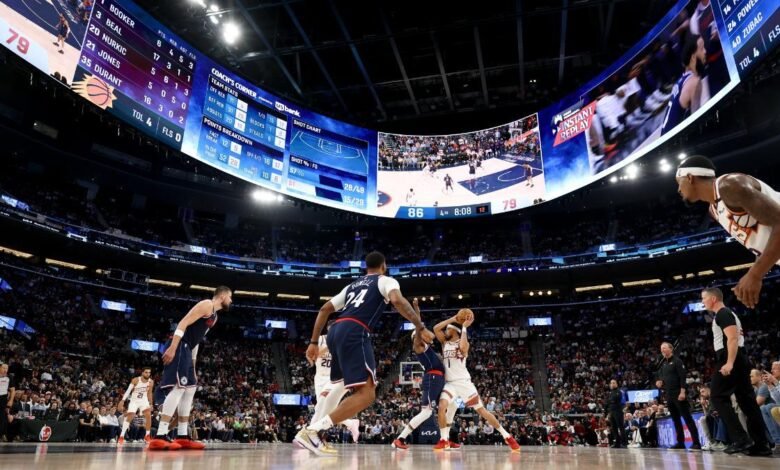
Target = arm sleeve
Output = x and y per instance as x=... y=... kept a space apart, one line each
x=387 y=285
x=340 y=300
x=681 y=372
x=128 y=391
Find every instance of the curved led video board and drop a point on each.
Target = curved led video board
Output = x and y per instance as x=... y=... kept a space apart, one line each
x=121 y=59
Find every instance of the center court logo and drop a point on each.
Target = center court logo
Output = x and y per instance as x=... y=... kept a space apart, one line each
x=286 y=109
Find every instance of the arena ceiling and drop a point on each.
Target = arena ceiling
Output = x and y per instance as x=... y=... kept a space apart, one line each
x=387 y=64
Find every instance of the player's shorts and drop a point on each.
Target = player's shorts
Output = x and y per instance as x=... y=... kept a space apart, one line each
x=180 y=372
x=138 y=406
x=431 y=387
x=321 y=384
x=352 y=354
x=464 y=389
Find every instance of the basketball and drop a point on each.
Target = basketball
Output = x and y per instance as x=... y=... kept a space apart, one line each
x=98 y=91
x=464 y=314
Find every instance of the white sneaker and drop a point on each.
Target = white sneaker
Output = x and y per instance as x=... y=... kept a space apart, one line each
x=706 y=448
x=113 y=440
x=309 y=440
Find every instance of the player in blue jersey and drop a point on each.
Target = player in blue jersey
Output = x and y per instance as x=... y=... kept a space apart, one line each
x=431 y=387
x=359 y=307
x=686 y=94
x=178 y=376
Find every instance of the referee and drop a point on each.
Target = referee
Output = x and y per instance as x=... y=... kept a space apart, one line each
x=7 y=391
x=671 y=377
x=733 y=377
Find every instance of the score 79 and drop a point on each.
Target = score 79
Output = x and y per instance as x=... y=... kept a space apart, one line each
x=510 y=204
x=22 y=43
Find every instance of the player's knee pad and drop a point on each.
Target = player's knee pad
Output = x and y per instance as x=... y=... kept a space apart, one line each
x=185 y=405
x=172 y=401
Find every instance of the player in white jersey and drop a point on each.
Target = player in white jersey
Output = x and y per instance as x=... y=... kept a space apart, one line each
x=140 y=392
x=746 y=207
x=455 y=351
x=323 y=386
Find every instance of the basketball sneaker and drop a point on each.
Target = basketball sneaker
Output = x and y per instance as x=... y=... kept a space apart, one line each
x=453 y=445
x=163 y=443
x=443 y=444
x=399 y=444
x=512 y=443
x=148 y=438
x=121 y=440
x=309 y=440
x=188 y=444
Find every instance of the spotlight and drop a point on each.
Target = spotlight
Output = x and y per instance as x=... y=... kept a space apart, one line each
x=665 y=167
x=549 y=292
x=501 y=295
x=614 y=179
x=460 y=297
x=681 y=156
x=540 y=292
x=632 y=171
x=230 y=32
x=531 y=293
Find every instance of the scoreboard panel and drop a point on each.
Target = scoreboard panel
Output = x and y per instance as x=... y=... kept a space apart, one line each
x=127 y=63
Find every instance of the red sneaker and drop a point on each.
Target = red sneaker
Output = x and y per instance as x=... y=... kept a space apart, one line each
x=512 y=443
x=453 y=445
x=121 y=440
x=163 y=444
x=188 y=444
x=399 y=444
x=443 y=444
x=148 y=438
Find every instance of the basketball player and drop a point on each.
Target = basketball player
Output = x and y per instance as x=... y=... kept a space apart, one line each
x=322 y=387
x=448 y=183
x=411 y=198
x=472 y=173
x=431 y=387
x=746 y=207
x=63 y=28
x=179 y=372
x=455 y=348
x=349 y=341
x=686 y=94
x=140 y=393
x=529 y=174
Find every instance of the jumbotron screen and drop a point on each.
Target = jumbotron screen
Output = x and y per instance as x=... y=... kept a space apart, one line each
x=122 y=60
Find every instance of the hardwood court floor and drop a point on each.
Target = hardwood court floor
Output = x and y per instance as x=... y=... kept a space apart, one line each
x=353 y=457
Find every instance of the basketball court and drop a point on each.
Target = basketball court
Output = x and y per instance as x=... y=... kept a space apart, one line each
x=331 y=151
x=497 y=180
x=38 y=28
x=103 y=456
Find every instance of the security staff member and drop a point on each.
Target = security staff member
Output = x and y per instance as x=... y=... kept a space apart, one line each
x=7 y=391
x=614 y=407
x=732 y=376
x=671 y=377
